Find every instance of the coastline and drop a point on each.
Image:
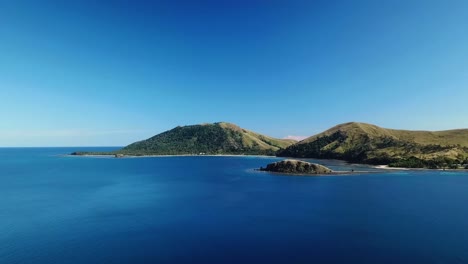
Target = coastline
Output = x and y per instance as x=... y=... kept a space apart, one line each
x=333 y=173
x=386 y=167
x=380 y=167
x=165 y=156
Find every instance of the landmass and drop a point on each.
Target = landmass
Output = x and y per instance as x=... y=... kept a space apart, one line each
x=296 y=167
x=369 y=144
x=206 y=139
x=352 y=142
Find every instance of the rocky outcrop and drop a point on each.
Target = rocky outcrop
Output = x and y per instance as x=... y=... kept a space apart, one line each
x=296 y=167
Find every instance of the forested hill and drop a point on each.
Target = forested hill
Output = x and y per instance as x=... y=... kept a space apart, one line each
x=205 y=139
x=366 y=143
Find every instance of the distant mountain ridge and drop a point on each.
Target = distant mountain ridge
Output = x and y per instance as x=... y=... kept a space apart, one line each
x=366 y=143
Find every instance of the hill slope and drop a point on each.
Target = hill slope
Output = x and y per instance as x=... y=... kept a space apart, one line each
x=217 y=138
x=366 y=143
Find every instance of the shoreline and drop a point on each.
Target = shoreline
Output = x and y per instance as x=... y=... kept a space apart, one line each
x=164 y=156
x=386 y=167
x=333 y=173
x=380 y=167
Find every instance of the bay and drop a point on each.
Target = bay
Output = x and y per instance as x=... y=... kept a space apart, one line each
x=62 y=209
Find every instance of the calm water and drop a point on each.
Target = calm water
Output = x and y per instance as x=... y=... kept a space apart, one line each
x=56 y=209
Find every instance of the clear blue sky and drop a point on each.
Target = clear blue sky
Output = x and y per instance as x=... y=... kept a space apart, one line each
x=109 y=73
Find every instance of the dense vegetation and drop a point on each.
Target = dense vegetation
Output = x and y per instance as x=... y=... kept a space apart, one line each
x=296 y=167
x=364 y=143
x=206 y=139
x=436 y=163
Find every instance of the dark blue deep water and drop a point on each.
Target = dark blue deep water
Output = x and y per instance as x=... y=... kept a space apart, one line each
x=58 y=209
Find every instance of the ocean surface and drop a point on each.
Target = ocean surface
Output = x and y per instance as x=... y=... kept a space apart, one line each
x=60 y=209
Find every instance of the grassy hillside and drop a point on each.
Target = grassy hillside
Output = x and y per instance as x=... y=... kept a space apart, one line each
x=217 y=138
x=366 y=143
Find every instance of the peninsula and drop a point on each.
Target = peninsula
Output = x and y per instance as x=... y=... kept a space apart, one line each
x=205 y=139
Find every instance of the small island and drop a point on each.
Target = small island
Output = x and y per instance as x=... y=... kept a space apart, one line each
x=297 y=167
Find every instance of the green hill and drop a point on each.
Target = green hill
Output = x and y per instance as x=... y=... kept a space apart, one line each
x=209 y=139
x=296 y=167
x=366 y=143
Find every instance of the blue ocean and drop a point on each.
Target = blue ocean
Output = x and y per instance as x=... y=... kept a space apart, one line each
x=62 y=209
